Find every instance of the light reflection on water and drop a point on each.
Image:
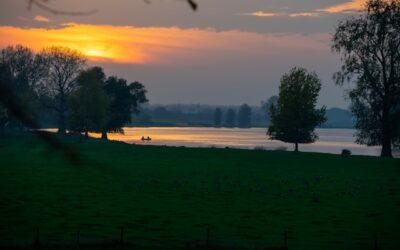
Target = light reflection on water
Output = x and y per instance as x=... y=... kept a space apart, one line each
x=330 y=140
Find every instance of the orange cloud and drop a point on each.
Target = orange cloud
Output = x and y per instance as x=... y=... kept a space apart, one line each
x=281 y=14
x=304 y=14
x=41 y=19
x=262 y=14
x=156 y=45
x=353 y=5
x=349 y=6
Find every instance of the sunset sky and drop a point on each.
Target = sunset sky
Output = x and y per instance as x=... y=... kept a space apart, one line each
x=228 y=52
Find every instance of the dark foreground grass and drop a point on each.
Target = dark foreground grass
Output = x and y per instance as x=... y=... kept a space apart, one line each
x=168 y=197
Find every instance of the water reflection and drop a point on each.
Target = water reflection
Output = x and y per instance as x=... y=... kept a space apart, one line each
x=330 y=140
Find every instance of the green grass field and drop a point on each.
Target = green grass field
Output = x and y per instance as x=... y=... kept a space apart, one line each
x=167 y=197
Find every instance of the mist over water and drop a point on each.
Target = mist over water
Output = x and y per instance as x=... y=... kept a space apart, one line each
x=330 y=140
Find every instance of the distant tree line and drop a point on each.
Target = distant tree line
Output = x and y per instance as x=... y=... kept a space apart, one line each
x=201 y=115
x=205 y=115
x=57 y=84
x=243 y=118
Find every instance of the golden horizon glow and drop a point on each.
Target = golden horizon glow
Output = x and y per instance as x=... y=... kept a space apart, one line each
x=98 y=43
x=157 y=45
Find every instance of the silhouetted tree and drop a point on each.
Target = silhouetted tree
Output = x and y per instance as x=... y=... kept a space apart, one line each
x=217 y=117
x=124 y=100
x=273 y=100
x=88 y=103
x=265 y=107
x=26 y=71
x=230 y=118
x=64 y=66
x=370 y=49
x=10 y=100
x=294 y=117
x=244 y=116
x=3 y=119
x=5 y=81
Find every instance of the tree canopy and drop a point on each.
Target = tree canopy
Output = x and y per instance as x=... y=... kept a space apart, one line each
x=88 y=103
x=64 y=65
x=217 y=117
x=55 y=80
x=294 y=117
x=244 y=116
x=230 y=118
x=26 y=71
x=369 y=46
x=124 y=100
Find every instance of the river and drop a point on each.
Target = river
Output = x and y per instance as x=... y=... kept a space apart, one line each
x=330 y=140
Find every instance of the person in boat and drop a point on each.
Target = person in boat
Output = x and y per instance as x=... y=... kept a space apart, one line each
x=146 y=139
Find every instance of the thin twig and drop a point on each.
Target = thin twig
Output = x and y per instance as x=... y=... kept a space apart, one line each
x=43 y=4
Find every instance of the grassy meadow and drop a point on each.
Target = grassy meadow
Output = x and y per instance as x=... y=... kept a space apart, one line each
x=169 y=197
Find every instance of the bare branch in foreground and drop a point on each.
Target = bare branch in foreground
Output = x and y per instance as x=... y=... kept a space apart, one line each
x=43 y=4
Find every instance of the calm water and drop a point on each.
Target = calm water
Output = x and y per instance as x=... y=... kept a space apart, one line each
x=330 y=140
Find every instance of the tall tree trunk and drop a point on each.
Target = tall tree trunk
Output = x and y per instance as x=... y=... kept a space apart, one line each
x=61 y=112
x=296 y=147
x=386 y=146
x=2 y=128
x=386 y=134
x=104 y=135
x=61 y=123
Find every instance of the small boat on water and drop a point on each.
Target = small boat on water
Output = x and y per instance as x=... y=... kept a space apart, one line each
x=146 y=139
